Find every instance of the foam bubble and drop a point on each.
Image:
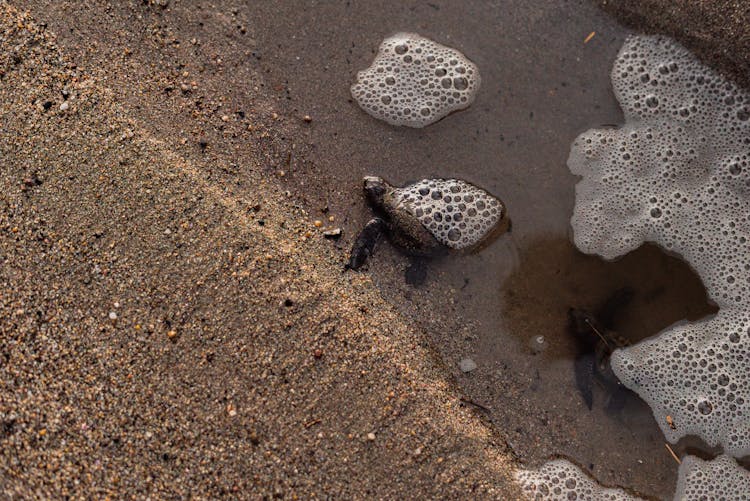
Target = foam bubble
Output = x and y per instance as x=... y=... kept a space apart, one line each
x=720 y=479
x=678 y=174
x=414 y=81
x=561 y=480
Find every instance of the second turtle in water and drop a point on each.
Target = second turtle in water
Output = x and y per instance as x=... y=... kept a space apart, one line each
x=429 y=217
x=596 y=342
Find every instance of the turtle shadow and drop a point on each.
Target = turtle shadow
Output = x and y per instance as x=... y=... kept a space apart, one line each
x=374 y=235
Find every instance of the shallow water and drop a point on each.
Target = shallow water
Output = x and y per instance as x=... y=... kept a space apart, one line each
x=541 y=86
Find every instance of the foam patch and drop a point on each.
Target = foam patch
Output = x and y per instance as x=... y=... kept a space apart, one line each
x=562 y=480
x=721 y=479
x=414 y=81
x=678 y=174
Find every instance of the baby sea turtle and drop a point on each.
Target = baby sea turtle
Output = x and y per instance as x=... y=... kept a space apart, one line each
x=429 y=218
x=596 y=342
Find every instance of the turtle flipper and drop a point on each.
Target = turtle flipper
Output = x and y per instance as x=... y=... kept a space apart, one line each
x=584 y=371
x=365 y=244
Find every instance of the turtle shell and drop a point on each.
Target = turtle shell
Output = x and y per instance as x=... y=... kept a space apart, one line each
x=406 y=231
x=456 y=213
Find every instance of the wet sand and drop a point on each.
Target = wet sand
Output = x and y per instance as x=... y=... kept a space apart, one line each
x=185 y=190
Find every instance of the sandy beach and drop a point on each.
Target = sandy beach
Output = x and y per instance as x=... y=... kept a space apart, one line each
x=173 y=323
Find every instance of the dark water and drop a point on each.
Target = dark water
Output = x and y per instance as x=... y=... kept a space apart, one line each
x=541 y=86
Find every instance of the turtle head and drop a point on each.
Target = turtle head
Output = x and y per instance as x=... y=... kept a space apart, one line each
x=375 y=188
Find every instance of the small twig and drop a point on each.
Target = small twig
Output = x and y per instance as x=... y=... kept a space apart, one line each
x=312 y=423
x=672 y=453
x=479 y=406
x=597 y=332
x=589 y=37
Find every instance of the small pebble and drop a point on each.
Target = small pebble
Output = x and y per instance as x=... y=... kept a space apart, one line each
x=467 y=365
x=112 y=315
x=371 y=436
x=318 y=223
x=334 y=233
x=64 y=106
x=538 y=344
x=307 y=118
x=172 y=334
